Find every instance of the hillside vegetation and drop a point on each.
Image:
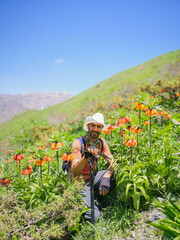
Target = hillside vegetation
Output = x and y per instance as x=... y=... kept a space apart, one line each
x=38 y=200
x=121 y=84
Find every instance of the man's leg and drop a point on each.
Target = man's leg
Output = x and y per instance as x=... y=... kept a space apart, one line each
x=87 y=198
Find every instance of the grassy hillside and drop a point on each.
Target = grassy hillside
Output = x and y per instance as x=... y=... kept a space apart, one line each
x=121 y=84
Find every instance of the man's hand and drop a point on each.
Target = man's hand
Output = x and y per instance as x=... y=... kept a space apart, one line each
x=92 y=150
x=104 y=186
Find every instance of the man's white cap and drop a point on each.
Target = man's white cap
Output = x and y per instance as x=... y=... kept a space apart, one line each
x=96 y=118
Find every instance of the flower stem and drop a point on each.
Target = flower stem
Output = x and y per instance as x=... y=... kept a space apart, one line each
x=57 y=157
x=150 y=133
x=138 y=143
x=161 y=122
x=121 y=146
x=131 y=156
x=139 y=116
x=20 y=168
x=29 y=179
x=48 y=168
x=40 y=173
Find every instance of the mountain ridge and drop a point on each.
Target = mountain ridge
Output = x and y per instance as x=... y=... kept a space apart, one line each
x=121 y=84
x=13 y=104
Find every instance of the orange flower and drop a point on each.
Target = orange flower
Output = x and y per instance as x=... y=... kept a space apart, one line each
x=144 y=108
x=150 y=112
x=162 y=90
x=122 y=133
x=137 y=130
x=138 y=105
x=30 y=160
x=107 y=131
x=168 y=116
x=162 y=113
x=7 y=161
x=177 y=94
x=48 y=158
x=68 y=157
x=151 y=97
x=111 y=117
x=123 y=120
x=112 y=127
x=69 y=129
x=146 y=122
x=131 y=142
x=115 y=106
x=9 y=151
x=39 y=162
x=130 y=128
x=40 y=147
x=57 y=146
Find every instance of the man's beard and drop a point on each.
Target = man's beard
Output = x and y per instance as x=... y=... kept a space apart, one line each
x=94 y=134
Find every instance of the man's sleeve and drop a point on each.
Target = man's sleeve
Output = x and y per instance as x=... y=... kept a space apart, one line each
x=106 y=148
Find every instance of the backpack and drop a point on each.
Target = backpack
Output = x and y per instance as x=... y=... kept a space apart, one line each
x=66 y=165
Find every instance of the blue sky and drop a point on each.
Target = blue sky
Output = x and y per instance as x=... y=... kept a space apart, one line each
x=71 y=45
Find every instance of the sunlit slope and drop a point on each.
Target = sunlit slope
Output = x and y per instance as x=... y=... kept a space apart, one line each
x=121 y=83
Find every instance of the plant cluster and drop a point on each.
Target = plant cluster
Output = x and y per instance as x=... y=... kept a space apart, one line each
x=144 y=139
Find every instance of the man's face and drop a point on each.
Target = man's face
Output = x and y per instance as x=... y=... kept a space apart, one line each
x=95 y=130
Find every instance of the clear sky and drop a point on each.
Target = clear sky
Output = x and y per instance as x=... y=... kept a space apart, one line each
x=71 y=45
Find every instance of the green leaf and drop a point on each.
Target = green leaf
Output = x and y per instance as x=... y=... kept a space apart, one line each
x=127 y=189
x=136 y=200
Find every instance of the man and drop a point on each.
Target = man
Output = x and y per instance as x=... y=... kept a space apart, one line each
x=80 y=166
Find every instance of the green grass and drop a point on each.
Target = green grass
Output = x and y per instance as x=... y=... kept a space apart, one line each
x=122 y=84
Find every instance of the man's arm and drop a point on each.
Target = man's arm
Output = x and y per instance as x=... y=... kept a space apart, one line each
x=78 y=163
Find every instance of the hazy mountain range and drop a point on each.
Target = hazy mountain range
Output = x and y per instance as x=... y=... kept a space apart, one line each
x=11 y=105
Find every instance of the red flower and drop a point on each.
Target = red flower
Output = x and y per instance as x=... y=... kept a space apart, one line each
x=131 y=142
x=27 y=171
x=18 y=157
x=5 y=181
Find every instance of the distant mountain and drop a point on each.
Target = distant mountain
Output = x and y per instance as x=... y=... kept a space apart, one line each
x=120 y=85
x=11 y=105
